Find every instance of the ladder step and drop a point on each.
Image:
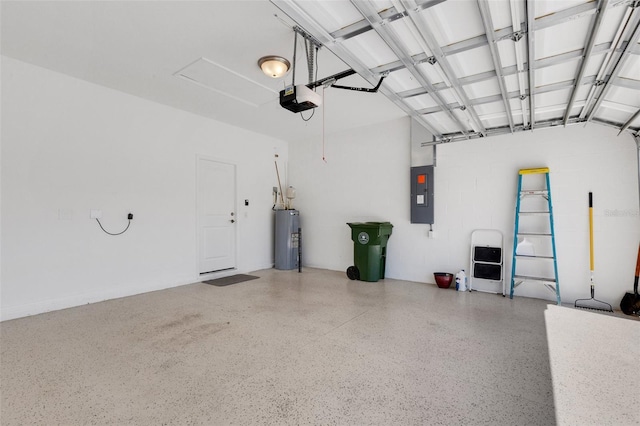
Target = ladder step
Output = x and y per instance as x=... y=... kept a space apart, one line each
x=524 y=256
x=532 y=213
x=535 y=234
x=536 y=170
x=532 y=278
x=534 y=192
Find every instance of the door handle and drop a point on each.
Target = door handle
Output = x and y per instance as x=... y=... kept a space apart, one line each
x=233 y=221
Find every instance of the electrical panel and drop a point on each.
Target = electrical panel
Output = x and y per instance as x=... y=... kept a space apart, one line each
x=422 y=187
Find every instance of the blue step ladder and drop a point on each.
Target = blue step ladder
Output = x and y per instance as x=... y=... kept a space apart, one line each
x=517 y=278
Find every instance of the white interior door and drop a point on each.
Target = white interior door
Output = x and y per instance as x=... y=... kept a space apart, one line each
x=216 y=216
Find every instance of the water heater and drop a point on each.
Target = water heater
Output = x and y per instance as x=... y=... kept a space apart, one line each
x=287 y=239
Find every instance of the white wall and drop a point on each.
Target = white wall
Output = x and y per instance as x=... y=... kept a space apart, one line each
x=367 y=178
x=69 y=146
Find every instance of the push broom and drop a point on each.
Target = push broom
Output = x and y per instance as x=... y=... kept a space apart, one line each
x=593 y=303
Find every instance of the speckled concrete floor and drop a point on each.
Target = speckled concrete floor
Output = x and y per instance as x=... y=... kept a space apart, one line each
x=594 y=362
x=288 y=348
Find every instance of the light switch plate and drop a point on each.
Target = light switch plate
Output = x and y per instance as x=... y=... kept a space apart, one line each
x=96 y=214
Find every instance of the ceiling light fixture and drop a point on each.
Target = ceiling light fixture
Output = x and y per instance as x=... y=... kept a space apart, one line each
x=274 y=66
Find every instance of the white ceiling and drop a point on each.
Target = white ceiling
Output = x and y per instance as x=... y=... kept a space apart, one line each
x=138 y=47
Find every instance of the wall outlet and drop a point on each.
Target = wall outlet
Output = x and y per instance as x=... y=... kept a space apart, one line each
x=96 y=214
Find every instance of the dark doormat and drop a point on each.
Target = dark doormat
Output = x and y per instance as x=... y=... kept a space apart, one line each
x=233 y=279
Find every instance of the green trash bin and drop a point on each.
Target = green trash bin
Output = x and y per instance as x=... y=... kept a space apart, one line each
x=369 y=250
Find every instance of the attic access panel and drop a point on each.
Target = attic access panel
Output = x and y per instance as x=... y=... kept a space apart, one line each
x=537 y=63
x=220 y=79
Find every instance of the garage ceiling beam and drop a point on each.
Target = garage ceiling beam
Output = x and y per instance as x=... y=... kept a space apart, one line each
x=540 y=63
x=392 y=14
x=635 y=50
x=607 y=123
x=420 y=58
x=591 y=39
x=363 y=25
x=565 y=15
x=633 y=40
x=563 y=85
x=619 y=45
x=389 y=37
x=480 y=41
x=501 y=130
x=388 y=15
x=520 y=62
x=511 y=70
x=571 y=55
x=529 y=4
x=305 y=21
x=626 y=125
x=483 y=5
x=625 y=82
x=429 y=40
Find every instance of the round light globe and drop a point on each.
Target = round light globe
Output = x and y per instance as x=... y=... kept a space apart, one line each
x=274 y=66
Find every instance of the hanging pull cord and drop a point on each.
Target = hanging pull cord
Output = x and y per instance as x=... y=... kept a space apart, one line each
x=323 y=103
x=114 y=234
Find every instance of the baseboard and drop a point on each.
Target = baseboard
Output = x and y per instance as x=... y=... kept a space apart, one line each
x=40 y=307
x=29 y=309
x=261 y=267
x=228 y=272
x=326 y=267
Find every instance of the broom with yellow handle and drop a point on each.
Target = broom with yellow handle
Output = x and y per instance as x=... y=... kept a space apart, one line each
x=592 y=303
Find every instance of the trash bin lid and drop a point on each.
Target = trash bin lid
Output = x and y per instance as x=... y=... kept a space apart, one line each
x=370 y=224
x=379 y=228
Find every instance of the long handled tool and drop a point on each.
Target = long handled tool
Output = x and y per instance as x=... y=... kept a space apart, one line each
x=630 y=303
x=279 y=186
x=592 y=303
